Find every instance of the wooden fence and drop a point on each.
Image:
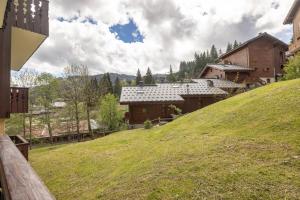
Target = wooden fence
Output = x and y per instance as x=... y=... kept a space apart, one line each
x=71 y=137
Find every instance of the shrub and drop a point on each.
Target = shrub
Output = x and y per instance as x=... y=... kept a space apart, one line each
x=148 y=124
x=292 y=68
x=177 y=111
x=110 y=115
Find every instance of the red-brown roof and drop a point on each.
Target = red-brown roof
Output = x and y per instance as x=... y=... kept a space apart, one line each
x=293 y=11
x=245 y=44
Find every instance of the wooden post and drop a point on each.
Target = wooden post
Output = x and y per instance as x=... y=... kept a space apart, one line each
x=2 y=127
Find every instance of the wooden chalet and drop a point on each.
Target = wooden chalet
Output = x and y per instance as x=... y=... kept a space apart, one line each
x=23 y=28
x=293 y=18
x=154 y=102
x=259 y=60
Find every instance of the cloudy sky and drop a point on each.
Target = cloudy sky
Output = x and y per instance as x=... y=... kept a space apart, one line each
x=123 y=35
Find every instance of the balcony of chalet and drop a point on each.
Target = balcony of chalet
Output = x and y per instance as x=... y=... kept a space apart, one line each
x=29 y=24
x=18 y=181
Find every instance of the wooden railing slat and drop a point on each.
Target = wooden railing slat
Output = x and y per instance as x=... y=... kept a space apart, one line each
x=18 y=180
x=23 y=16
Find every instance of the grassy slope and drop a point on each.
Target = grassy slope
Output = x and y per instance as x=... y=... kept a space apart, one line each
x=246 y=147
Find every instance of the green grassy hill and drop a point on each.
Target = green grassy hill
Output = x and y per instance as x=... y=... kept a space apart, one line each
x=246 y=147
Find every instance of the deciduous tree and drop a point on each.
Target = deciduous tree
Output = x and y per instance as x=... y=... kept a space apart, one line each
x=28 y=78
x=47 y=91
x=110 y=115
x=73 y=90
x=292 y=68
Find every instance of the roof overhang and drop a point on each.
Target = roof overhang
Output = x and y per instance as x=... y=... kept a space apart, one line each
x=293 y=11
x=151 y=102
x=225 y=70
x=23 y=45
x=3 y=4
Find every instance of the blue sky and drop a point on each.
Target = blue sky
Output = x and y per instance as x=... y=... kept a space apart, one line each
x=128 y=33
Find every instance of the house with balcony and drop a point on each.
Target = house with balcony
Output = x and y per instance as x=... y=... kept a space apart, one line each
x=24 y=25
x=293 y=18
x=258 y=60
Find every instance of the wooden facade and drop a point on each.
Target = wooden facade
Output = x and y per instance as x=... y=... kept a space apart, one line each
x=140 y=112
x=293 y=18
x=5 y=54
x=264 y=56
x=19 y=100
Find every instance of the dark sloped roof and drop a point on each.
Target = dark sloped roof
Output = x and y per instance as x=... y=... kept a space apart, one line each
x=293 y=11
x=219 y=83
x=167 y=92
x=245 y=44
x=224 y=67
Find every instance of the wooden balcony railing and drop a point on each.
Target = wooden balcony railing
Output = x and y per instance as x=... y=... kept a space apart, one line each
x=19 y=100
x=21 y=144
x=31 y=15
x=18 y=180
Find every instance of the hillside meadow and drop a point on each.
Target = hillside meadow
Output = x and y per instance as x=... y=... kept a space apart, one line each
x=245 y=147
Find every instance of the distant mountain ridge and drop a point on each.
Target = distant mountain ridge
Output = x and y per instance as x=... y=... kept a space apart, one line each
x=126 y=77
x=113 y=77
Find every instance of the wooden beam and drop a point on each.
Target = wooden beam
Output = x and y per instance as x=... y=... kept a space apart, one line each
x=5 y=55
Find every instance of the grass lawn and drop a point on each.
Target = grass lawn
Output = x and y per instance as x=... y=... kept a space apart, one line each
x=246 y=147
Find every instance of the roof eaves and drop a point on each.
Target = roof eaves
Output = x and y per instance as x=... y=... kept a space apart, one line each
x=245 y=44
x=291 y=14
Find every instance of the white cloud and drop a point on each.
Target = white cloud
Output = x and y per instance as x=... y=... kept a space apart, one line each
x=173 y=30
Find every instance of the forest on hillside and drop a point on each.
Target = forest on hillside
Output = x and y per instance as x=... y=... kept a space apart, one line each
x=192 y=69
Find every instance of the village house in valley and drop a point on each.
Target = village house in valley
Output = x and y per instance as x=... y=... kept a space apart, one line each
x=259 y=60
x=151 y=102
x=293 y=17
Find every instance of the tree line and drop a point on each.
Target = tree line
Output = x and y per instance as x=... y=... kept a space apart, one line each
x=192 y=69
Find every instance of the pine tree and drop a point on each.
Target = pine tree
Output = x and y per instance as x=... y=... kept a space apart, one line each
x=105 y=85
x=220 y=52
x=229 y=47
x=171 y=77
x=213 y=54
x=235 y=44
x=138 y=77
x=109 y=84
x=95 y=87
x=117 y=87
x=148 y=79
